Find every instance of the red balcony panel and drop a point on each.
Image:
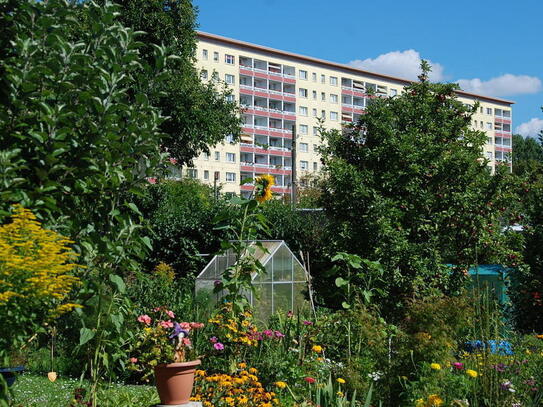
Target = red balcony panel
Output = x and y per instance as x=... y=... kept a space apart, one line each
x=244 y=71
x=275 y=96
x=246 y=149
x=261 y=132
x=289 y=80
x=504 y=149
x=346 y=92
x=260 y=93
x=246 y=187
x=359 y=111
x=275 y=77
x=257 y=112
x=246 y=91
x=248 y=130
x=347 y=109
x=289 y=117
x=358 y=93
x=281 y=190
x=246 y=168
x=261 y=75
x=276 y=115
x=288 y=98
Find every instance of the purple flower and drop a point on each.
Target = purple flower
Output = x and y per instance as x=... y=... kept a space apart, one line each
x=218 y=346
x=279 y=334
x=268 y=333
x=213 y=339
x=178 y=332
x=307 y=323
x=290 y=314
x=458 y=365
x=500 y=367
x=217 y=282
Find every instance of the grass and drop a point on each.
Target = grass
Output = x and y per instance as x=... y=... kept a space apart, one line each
x=33 y=391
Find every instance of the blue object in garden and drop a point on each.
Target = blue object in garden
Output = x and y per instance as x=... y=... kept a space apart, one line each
x=494 y=277
x=9 y=374
x=495 y=347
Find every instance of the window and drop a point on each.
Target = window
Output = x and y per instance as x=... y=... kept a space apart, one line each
x=204 y=54
x=192 y=173
x=203 y=74
x=489 y=140
x=217 y=156
x=304 y=147
x=333 y=116
x=314 y=95
x=323 y=96
x=323 y=78
x=315 y=133
x=314 y=77
x=506 y=113
x=315 y=166
x=302 y=74
x=393 y=92
x=231 y=157
x=488 y=110
x=333 y=81
x=206 y=175
x=315 y=148
x=489 y=126
x=323 y=114
x=333 y=98
x=489 y=155
x=216 y=56
x=302 y=93
x=206 y=156
x=303 y=129
x=303 y=111
x=229 y=59
x=229 y=139
x=481 y=124
x=229 y=79
x=229 y=98
x=304 y=165
x=314 y=113
x=230 y=177
x=481 y=110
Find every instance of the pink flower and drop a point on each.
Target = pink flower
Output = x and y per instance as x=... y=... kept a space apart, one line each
x=173 y=161
x=268 y=333
x=166 y=324
x=151 y=180
x=170 y=314
x=307 y=323
x=185 y=326
x=290 y=314
x=156 y=309
x=213 y=339
x=458 y=365
x=310 y=380
x=196 y=325
x=133 y=360
x=145 y=319
x=218 y=346
x=186 y=341
x=279 y=334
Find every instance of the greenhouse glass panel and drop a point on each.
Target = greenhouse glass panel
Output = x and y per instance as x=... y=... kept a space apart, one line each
x=282 y=297
x=282 y=265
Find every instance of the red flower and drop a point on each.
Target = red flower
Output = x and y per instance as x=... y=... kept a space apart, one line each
x=310 y=380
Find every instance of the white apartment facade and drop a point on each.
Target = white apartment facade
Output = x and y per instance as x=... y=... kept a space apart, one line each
x=278 y=90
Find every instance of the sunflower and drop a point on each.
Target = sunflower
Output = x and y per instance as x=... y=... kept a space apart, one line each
x=263 y=191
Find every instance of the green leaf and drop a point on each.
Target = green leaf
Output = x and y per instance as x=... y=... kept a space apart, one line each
x=85 y=335
x=119 y=282
x=341 y=282
x=345 y=305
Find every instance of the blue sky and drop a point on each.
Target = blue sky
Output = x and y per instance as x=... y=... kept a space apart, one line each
x=493 y=47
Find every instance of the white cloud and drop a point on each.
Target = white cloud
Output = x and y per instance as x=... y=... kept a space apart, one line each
x=505 y=85
x=530 y=128
x=404 y=64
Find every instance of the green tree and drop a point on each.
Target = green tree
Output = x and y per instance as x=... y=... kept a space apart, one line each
x=199 y=114
x=407 y=186
x=527 y=154
x=77 y=144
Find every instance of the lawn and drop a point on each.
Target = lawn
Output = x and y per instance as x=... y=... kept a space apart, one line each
x=31 y=390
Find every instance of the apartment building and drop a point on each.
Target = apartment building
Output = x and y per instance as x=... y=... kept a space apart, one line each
x=279 y=89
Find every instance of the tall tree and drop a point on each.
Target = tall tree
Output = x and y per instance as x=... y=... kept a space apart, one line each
x=527 y=154
x=408 y=186
x=199 y=114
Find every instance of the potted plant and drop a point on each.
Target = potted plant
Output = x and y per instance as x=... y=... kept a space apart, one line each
x=163 y=347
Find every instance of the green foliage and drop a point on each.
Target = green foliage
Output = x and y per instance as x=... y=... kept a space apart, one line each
x=528 y=154
x=409 y=185
x=199 y=114
x=78 y=143
x=180 y=214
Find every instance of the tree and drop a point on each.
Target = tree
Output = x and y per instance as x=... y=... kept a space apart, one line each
x=199 y=114
x=527 y=154
x=77 y=144
x=407 y=186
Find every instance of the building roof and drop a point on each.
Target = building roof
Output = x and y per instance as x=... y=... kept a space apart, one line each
x=336 y=65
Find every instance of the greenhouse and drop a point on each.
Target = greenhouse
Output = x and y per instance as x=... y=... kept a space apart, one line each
x=281 y=288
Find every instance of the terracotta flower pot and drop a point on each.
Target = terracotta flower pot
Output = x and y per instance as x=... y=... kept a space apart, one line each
x=174 y=381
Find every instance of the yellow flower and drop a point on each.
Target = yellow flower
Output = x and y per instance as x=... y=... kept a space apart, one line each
x=253 y=370
x=434 y=400
x=420 y=403
x=317 y=348
x=281 y=385
x=340 y=380
x=340 y=394
x=471 y=373
x=263 y=191
x=435 y=366
x=242 y=365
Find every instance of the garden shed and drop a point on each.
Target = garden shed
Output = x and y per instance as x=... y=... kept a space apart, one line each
x=281 y=288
